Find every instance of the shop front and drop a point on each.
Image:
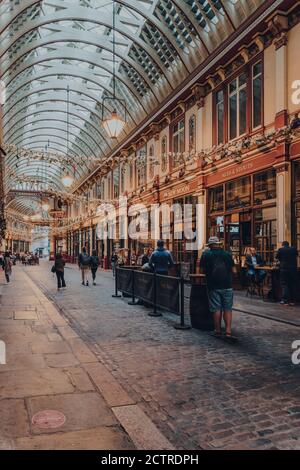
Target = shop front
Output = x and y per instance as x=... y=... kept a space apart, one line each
x=242 y=213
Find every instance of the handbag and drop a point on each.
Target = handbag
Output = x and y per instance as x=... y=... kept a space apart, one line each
x=53 y=269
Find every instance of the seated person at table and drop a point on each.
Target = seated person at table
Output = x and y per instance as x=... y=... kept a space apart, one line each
x=253 y=260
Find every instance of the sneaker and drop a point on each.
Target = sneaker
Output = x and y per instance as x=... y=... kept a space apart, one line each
x=283 y=302
x=94 y=283
x=291 y=304
x=87 y=283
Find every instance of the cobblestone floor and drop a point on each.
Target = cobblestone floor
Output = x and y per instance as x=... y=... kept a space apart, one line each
x=201 y=393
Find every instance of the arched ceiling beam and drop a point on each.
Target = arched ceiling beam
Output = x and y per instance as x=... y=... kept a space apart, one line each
x=22 y=142
x=53 y=108
x=82 y=14
x=48 y=87
x=68 y=70
x=84 y=37
x=66 y=53
x=44 y=123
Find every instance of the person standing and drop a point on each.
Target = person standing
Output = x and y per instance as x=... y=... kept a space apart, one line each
x=287 y=257
x=7 y=266
x=217 y=264
x=59 y=265
x=94 y=265
x=161 y=259
x=84 y=266
x=145 y=257
x=114 y=262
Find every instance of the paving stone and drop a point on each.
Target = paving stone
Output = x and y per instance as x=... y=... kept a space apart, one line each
x=50 y=347
x=141 y=430
x=82 y=411
x=113 y=393
x=33 y=383
x=25 y=315
x=101 y=438
x=61 y=360
x=13 y=418
x=22 y=361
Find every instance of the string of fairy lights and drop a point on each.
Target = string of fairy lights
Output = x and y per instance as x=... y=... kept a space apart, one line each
x=211 y=156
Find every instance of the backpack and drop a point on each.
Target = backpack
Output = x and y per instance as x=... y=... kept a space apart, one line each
x=85 y=259
x=219 y=272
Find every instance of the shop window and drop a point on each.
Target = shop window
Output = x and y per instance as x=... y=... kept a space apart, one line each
x=265 y=233
x=141 y=165
x=264 y=187
x=216 y=199
x=151 y=161
x=178 y=142
x=164 y=154
x=216 y=227
x=238 y=193
x=297 y=180
x=131 y=174
x=123 y=172
x=220 y=116
x=257 y=85
x=192 y=133
x=237 y=92
x=116 y=181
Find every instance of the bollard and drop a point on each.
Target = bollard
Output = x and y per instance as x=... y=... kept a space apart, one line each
x=116 y=285
x=182 y=325
x=155 y=313
x=133 y=301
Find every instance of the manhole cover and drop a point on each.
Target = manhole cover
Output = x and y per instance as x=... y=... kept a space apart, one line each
x=48 y=419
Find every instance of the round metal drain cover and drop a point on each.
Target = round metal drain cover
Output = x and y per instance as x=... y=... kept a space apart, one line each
x=49 y=419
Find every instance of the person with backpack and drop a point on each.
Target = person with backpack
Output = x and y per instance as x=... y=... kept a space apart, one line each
x=218 y=264
x=84 y=264
x=59 y=269
x=94 y=262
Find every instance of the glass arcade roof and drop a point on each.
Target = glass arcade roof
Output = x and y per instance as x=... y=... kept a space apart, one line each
x=48 y=45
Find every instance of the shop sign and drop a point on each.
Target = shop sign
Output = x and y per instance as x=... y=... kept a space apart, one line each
x=178 y=191
x=234 y=171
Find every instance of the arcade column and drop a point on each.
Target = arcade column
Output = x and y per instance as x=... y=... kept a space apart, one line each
x=283 y=206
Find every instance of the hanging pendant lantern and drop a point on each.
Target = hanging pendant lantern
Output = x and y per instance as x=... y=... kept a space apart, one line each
x=114 y=123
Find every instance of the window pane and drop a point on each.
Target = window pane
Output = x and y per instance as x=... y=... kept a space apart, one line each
x=257 y=101
x=242 y=79
x=233 y=117
x=257 y=69
x=243 y=111
x=220 y=121
x=232 y=86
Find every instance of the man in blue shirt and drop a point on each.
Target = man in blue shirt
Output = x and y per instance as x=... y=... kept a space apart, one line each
x=217 y=264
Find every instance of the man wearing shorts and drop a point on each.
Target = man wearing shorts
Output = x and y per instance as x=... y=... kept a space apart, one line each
x=217 y=264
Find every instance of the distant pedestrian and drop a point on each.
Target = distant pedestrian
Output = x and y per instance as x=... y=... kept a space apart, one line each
x=94 y=262
x=114 y=262
x=161 y=259
x=59 y=265
x=287 y=257
x=217 y=264
x=145 y=257
x=6 y=265
x=84 y=266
